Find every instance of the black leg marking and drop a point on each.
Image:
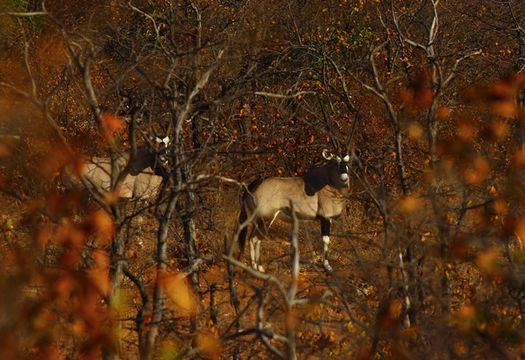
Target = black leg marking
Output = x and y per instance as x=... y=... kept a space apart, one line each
x=325 y=233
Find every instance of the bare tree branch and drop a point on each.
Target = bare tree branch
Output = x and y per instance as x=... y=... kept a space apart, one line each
x=282 y=96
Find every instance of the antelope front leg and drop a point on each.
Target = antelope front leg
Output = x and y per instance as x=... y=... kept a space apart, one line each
x=255 y=253
x=325 y=232
x=326 y=264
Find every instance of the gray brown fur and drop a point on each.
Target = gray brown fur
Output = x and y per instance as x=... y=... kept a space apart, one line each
x=319 y=194
x=142 y=182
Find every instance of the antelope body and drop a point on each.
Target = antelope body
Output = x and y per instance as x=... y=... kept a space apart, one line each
x=141 y=185
x=143 y=181
x=318 y=195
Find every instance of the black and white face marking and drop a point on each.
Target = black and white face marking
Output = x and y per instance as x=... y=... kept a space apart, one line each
x=165 y=141
x=163 y=145
x=342 y=162
x=343 y=168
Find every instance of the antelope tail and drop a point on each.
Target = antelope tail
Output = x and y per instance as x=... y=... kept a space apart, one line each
x=242 y=234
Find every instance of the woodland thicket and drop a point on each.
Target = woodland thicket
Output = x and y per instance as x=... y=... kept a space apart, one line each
x=428 y=259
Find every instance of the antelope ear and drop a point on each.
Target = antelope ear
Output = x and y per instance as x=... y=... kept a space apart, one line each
x=327 y=155
x=314 y=180
x=166 y=141
x=158 y=140
x=346 y=158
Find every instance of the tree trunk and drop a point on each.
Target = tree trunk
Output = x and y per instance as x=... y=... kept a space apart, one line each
x=147 y=343
x=186 y=210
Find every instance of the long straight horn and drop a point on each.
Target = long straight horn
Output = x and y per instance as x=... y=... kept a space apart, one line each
x=356 y=154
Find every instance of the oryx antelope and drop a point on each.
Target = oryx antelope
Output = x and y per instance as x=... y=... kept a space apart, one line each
x=145 y=175
x=318 y=195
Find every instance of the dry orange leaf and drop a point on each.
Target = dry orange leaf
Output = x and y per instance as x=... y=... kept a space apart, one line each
x=410 y=204
x=394 y=309
x=103 y=226
x=43 y=319
x=499 y=130
x=487 y=260
x=101 y=260
x=423 y=97
x=459 y=247
x=389 y=318
x=443 y=113
x=43 y=236
x=415 y=131
x=291 y=320
x=112 y=197
x=465 y=317
x=406 y=96
x=77 y=166
x=99 y=274
x=519 y=157
x=504 y=108
x=500 y=206
x=466 y=312
x=111 y=122
x=177 y=289
x=78 y=327
x=100 y=279
x=419 y=93
x=520 y=231
x=50 y=352
x=4 y=150
x=168 y=350
x=68 y=233
x=63 y=286
x=503 y=89
x=478 y=171
x=466 y=130
x=209 y=345
x=53 y=159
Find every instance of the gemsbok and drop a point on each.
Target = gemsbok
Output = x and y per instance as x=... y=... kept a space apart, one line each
x=140 y=183
x=318 y=195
